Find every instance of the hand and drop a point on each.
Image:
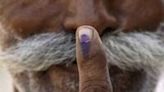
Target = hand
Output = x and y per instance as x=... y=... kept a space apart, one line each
x=91 y=61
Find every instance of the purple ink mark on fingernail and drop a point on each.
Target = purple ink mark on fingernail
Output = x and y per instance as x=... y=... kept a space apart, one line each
x=85 y=45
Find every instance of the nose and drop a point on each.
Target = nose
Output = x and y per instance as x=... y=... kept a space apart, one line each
x=88 y=12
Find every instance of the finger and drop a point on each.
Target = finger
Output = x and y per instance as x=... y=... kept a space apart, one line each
x=91 y=61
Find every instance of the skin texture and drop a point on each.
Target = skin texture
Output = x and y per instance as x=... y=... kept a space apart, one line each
x=27 y=17
x=22 y=19
x=101 y=80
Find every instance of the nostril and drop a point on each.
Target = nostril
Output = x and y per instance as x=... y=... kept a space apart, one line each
x=109 y=30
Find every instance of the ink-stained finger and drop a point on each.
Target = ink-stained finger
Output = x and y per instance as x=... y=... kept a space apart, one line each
x=91 y=61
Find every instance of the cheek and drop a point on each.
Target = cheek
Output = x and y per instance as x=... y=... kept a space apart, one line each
x=136 y=14
x=27 y=19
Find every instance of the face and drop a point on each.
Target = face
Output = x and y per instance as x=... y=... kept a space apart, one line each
x=28 y=17
x=38 y=39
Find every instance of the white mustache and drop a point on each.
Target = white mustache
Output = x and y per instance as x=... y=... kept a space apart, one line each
x=41 y=51
x=125 y=50
x=136 y=50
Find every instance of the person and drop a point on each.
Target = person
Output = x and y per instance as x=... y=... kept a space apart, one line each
x=83 y=45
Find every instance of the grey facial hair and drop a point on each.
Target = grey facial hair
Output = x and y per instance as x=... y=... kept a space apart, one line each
x=41 y=51
x=129 y=50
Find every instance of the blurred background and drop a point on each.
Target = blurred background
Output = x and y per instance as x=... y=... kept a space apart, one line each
x=5 y=80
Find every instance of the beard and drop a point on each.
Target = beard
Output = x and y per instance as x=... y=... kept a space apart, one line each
x=132 y=51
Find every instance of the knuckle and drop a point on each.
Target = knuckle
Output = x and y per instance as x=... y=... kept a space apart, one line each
x=96 y=86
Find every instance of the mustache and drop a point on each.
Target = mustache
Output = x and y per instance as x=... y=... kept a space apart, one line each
x=39 y=52
x=133 y=50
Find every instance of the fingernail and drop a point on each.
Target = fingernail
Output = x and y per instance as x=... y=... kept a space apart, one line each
x=85 y=35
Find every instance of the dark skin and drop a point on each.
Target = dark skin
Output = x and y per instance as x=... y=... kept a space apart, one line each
x=28 y=17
